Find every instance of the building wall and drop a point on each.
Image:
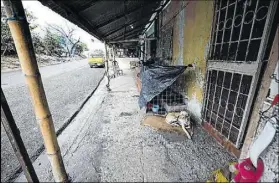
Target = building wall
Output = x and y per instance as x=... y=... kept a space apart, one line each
x=188 y=25
x=166 y=25
x=178 y=38
x=191 y=36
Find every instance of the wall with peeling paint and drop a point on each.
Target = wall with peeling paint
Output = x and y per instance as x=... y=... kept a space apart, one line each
x=178 y=38
x=191 y=36
x=166 y=26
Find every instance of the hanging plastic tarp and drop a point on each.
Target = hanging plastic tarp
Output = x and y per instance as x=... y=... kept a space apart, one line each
x=155 y=79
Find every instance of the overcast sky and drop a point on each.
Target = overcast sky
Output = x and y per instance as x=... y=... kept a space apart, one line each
x=45 y=15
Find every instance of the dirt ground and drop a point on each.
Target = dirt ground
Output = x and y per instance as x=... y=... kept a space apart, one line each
x=9 y=63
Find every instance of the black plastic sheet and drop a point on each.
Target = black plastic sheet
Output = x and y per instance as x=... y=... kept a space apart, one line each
x=155 y=79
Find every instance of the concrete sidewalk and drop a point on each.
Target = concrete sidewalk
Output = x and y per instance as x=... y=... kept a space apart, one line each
x=106 y=142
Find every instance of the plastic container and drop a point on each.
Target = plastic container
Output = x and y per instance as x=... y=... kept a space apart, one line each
x=155 y=108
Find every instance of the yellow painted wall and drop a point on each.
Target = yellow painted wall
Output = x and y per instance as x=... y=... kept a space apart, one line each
x=196 y=36
x=197 y=26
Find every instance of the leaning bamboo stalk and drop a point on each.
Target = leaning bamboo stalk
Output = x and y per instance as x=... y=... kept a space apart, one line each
x=15 y=139
x=23 y=42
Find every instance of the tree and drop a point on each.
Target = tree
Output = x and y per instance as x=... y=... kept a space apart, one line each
x=31 y=19
x=38 y=44
x=81 y=47
x=52 y=44
x=57 y=41
x=67 y=37
x=7 y=43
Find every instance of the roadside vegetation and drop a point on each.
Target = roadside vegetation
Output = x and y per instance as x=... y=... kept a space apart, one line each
x=52 y=44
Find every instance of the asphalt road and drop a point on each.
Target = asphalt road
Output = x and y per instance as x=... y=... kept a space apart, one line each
x=66 y=86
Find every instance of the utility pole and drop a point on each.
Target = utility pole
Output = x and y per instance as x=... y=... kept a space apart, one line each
x=23 y=42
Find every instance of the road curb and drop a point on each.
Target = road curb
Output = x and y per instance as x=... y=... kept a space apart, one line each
x=68 y=121
x=18 y=170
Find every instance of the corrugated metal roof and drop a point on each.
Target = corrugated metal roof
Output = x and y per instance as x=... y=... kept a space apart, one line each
x=107 y=20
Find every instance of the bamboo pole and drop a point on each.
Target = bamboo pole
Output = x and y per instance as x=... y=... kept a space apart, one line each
x=15 y=139
x=21 y=35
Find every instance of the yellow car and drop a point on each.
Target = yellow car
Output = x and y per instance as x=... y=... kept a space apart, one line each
x=96 y=61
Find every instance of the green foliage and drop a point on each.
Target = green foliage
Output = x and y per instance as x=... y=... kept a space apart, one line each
x=81 y=47
x=7 y=44
x=31 y=19
x=53 y=43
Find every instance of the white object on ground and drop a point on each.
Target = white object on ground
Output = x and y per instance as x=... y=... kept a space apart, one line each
x=171 y=118
x=263 y=140
x=187 y=133
x=183 y=120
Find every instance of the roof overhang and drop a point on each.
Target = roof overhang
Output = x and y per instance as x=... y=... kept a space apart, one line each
x=107 y=20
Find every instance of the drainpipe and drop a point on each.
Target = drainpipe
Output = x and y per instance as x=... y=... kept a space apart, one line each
x=22 y=38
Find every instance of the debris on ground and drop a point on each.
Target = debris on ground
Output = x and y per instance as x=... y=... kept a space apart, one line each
x=159 y=123
x=181 y=119
x=223 y=174
x=12 y=62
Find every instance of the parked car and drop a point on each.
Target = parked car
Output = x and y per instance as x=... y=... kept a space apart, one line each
x=96 y=61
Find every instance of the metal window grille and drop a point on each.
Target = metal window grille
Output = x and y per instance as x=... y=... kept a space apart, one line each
x=226 y=101
x=239 y=29
x=239 y=37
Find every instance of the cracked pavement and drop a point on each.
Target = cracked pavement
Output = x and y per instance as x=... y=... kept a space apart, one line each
x=106 y=142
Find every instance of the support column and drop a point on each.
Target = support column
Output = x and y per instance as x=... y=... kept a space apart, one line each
x=107 y=66
x=113 y=52
x=23 y=42
x=15 y=139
